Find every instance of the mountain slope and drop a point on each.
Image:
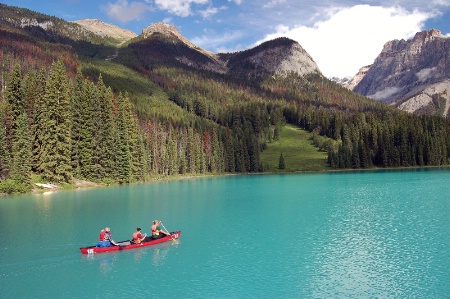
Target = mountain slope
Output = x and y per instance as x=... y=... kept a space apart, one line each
x=46 y=27
x=411 y=74
x=104 y=29
x=280 y=56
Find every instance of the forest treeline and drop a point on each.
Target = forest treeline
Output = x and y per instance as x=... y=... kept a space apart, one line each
x=61 y=127
x=60 y=123
x=360 y=132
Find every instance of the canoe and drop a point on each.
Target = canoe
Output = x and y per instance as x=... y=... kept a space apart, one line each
x=125 y=245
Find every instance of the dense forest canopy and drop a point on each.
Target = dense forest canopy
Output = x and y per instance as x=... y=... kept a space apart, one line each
x=67 y=114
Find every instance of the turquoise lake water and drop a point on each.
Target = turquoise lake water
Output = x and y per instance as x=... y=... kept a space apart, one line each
x=368 y=234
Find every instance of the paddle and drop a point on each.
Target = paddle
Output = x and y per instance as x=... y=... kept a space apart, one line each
x=173 y=239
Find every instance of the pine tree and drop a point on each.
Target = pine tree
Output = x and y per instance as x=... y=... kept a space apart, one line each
x=39 y=123
x=191 y=151
x=14 y=93
x=172 y=153
x=30 y=92
x=88 y=131
x=4 y=154
x=14 y=103
x=281 y=163
x=137 y=152
x=106 y=129
x=123 y=161
x=78 y=119
x=56 y=148
x=21 y=154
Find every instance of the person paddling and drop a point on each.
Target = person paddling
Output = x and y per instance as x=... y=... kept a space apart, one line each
x=105 y=239
x=138 y=237
x=157 y=231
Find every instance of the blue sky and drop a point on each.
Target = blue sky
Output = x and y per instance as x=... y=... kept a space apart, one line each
x=340 y=35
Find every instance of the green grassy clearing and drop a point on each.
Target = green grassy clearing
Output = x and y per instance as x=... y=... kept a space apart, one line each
x=298 y=151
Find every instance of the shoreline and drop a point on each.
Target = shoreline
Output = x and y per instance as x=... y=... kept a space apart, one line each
x=83 y=184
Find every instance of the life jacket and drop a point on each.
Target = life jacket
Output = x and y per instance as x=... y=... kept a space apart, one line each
x=155 y=230
x=102 y=235
x=135 y=237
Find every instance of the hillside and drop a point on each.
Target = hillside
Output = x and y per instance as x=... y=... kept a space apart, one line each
x=158 y=106
x=299 y=153
x=101 y=28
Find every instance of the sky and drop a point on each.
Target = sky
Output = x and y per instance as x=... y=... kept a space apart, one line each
x=340 y=35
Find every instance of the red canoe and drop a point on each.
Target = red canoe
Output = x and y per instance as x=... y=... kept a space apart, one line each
x=125 y=245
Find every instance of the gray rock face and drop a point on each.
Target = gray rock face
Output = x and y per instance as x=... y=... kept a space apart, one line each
x=276 y=57
x=406 y=68
x=351 y=82
x=281 y=60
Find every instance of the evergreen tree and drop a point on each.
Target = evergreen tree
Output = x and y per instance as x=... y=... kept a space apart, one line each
x=87 y=131
x=77 y=114
x=191 y=151
x=14 y=93
x=172 y=153
x=14 y=103
x=30 y=92
x=4 y=154
x=21 y=154
x=39 y=122
x=56 y=149
x=106 y=129
x=137 y=152
x=123 y=155
x=281 y=163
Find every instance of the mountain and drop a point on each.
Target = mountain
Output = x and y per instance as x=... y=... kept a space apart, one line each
x=412 y=75
x=351 y=82
x=163 y=43
x=107 y=30
x=280 y=56
x=46 y=27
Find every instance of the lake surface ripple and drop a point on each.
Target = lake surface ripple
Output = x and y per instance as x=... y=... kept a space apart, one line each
x=383 y=234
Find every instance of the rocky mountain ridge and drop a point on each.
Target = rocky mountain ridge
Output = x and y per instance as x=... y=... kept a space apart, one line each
x=280 y=57
x=351 y=82
x=270 y=58
x=412 y=75
x=106 y=30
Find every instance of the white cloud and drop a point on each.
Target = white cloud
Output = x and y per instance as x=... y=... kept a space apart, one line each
x=352 y=37
x=273 y=3
x=181 y=8
x=210 y=11
x=426 y=73
x=385 y=93
x=238 y=2
x=124 y=11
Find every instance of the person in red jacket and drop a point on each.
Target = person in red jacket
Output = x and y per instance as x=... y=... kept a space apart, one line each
x=105 y=239
x=137 y=236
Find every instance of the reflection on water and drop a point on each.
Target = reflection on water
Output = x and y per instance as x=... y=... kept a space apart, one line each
x=160 y=252
x=105 y=261
x=156 y=255
x=44 y=207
